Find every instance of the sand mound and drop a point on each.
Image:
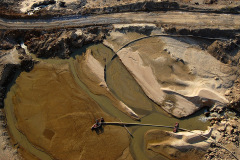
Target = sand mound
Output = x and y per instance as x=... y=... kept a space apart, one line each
x=175 y=82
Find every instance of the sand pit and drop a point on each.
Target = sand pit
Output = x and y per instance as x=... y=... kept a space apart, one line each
x=63 y=97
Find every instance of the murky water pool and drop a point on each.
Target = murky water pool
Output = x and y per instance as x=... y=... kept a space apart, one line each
x=123 y=86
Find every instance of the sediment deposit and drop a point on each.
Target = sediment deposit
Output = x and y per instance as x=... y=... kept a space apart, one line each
x=64 y=116
x=170 y=75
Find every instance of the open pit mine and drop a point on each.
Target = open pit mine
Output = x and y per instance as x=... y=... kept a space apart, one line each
x=119 y=79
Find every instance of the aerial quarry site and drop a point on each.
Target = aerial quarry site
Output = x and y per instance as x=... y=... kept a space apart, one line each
x=119 y=79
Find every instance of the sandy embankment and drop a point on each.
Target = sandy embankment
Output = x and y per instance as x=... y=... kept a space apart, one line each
x=49 y=97
x=182 y=145
x=91 y=72
x=181 y=97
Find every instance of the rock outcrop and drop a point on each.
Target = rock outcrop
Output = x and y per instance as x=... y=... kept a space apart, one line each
x=226 y=135
x=227 y=52
x=133 y=7
x=233 y=95
x=62 y=43
x=9 y=38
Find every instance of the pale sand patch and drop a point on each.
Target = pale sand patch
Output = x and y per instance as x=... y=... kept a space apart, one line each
x=201 y=64
x=143 y=25
x=91 y=73
x=10 y=57
x=146 y=79
x=95 y=68
x=26 y=4
x=142 y=74
x=182 y=105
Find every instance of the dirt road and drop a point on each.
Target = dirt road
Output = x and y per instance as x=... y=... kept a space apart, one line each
x=186 y=19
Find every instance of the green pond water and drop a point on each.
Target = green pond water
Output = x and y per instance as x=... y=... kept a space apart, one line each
x=123 y=86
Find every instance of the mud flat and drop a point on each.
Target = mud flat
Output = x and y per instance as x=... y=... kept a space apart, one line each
x=53 y=127
x=69 y=102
